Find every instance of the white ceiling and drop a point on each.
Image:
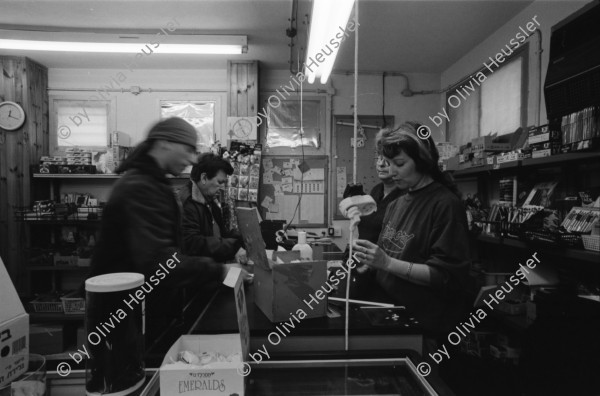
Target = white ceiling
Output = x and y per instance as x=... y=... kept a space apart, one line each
x=395 y=35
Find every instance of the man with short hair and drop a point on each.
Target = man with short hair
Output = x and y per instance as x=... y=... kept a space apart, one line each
x=204 y=230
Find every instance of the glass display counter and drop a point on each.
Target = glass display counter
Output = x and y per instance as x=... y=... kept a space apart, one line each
x=355 y=377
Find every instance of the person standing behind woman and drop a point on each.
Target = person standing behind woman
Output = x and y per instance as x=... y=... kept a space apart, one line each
x=204 y=230
x=383 y=193
x=422 y=254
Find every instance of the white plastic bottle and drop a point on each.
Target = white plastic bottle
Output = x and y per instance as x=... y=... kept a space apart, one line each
x=306 y=252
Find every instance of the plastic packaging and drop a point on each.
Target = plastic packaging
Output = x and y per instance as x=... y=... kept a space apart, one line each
x=304 y=248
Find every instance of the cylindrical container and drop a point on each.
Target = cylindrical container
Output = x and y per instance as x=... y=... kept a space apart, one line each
x=114 y=322
x=303 y=247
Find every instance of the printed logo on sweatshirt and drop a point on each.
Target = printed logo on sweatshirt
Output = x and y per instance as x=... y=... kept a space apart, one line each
x=394 y=242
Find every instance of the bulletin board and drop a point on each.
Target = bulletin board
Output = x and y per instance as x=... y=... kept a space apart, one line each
x=344 y=154
x=285 y=180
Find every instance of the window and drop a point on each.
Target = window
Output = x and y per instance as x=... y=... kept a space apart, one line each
x=80 y=123
x=201 y=114
x=498 y=106
x=283 y=126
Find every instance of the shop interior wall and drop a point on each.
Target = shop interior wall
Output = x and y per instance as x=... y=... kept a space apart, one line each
x=548 y=14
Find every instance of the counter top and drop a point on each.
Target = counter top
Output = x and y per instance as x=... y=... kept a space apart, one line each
x=323 y=335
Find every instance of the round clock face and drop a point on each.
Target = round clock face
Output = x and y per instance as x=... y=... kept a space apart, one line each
x=242 y=128
x=12 y=116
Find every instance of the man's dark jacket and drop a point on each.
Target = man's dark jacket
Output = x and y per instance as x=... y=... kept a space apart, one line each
x=198 y=232
x=141 y=228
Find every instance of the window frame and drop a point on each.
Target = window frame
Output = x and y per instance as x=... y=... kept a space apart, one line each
x=54 y=148
x=324 y=122
x=521 y=52
x=216 y=115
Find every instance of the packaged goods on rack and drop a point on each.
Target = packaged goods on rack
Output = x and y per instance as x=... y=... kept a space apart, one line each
x=543 y=134
x=246 y=159
x=541 y=194
x=76 y=156
x=546 y=149
x=509 y=157
x=446 y=150
x=581 y=129
x=581 y=219
x=487 y=143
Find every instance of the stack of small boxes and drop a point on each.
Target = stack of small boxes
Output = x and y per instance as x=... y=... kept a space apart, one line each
x=544 y=141
x=77 y=156
x=45 y=161
x=484 y=148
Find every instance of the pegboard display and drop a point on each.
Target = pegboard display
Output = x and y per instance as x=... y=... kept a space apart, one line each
x=344 y=154
x=288 y=179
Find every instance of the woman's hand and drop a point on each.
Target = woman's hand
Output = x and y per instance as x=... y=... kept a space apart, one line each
x=370 y=254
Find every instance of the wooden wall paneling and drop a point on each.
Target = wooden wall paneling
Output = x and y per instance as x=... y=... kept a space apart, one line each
x=232 y=93
x=252 y=86
x=4 y=82
x=11 y=75
x=25 y=82
x=243 y=88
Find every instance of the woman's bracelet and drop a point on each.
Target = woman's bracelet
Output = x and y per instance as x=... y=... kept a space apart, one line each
x=410 y=265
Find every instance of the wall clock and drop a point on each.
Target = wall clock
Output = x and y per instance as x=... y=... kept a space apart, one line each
x=12 y=116
x=242 y=128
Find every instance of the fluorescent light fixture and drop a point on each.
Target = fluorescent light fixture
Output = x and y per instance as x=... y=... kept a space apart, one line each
x=327 y=26
x=122 y=43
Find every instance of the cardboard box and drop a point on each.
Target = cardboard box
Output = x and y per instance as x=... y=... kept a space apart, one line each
x=546 y=149
x=65 y=261
x=291 y=287
x=510 y=157
x=14 y=331
x=222 y=378
x=120 y=139
x=545 y=145
x=480 y=158
x=543 y=134
x=118 y=155
x=543 y=153
x=486 y=143
x=282 y=289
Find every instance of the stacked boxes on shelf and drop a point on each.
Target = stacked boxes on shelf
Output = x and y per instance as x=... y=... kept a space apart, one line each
x=485 y=148
x=77 y=156
x=544 y=141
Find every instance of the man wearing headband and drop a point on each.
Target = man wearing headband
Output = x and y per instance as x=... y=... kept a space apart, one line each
x=141 y=224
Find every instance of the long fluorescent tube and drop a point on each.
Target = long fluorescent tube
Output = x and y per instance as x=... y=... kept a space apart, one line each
x=115 y=43
x=327 y=26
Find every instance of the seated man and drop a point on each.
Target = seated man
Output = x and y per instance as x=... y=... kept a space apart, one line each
x=204 y=231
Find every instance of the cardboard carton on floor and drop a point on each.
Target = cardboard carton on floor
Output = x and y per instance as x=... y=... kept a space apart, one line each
x=281 y=290
x=221 y=378
x=14 y=331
